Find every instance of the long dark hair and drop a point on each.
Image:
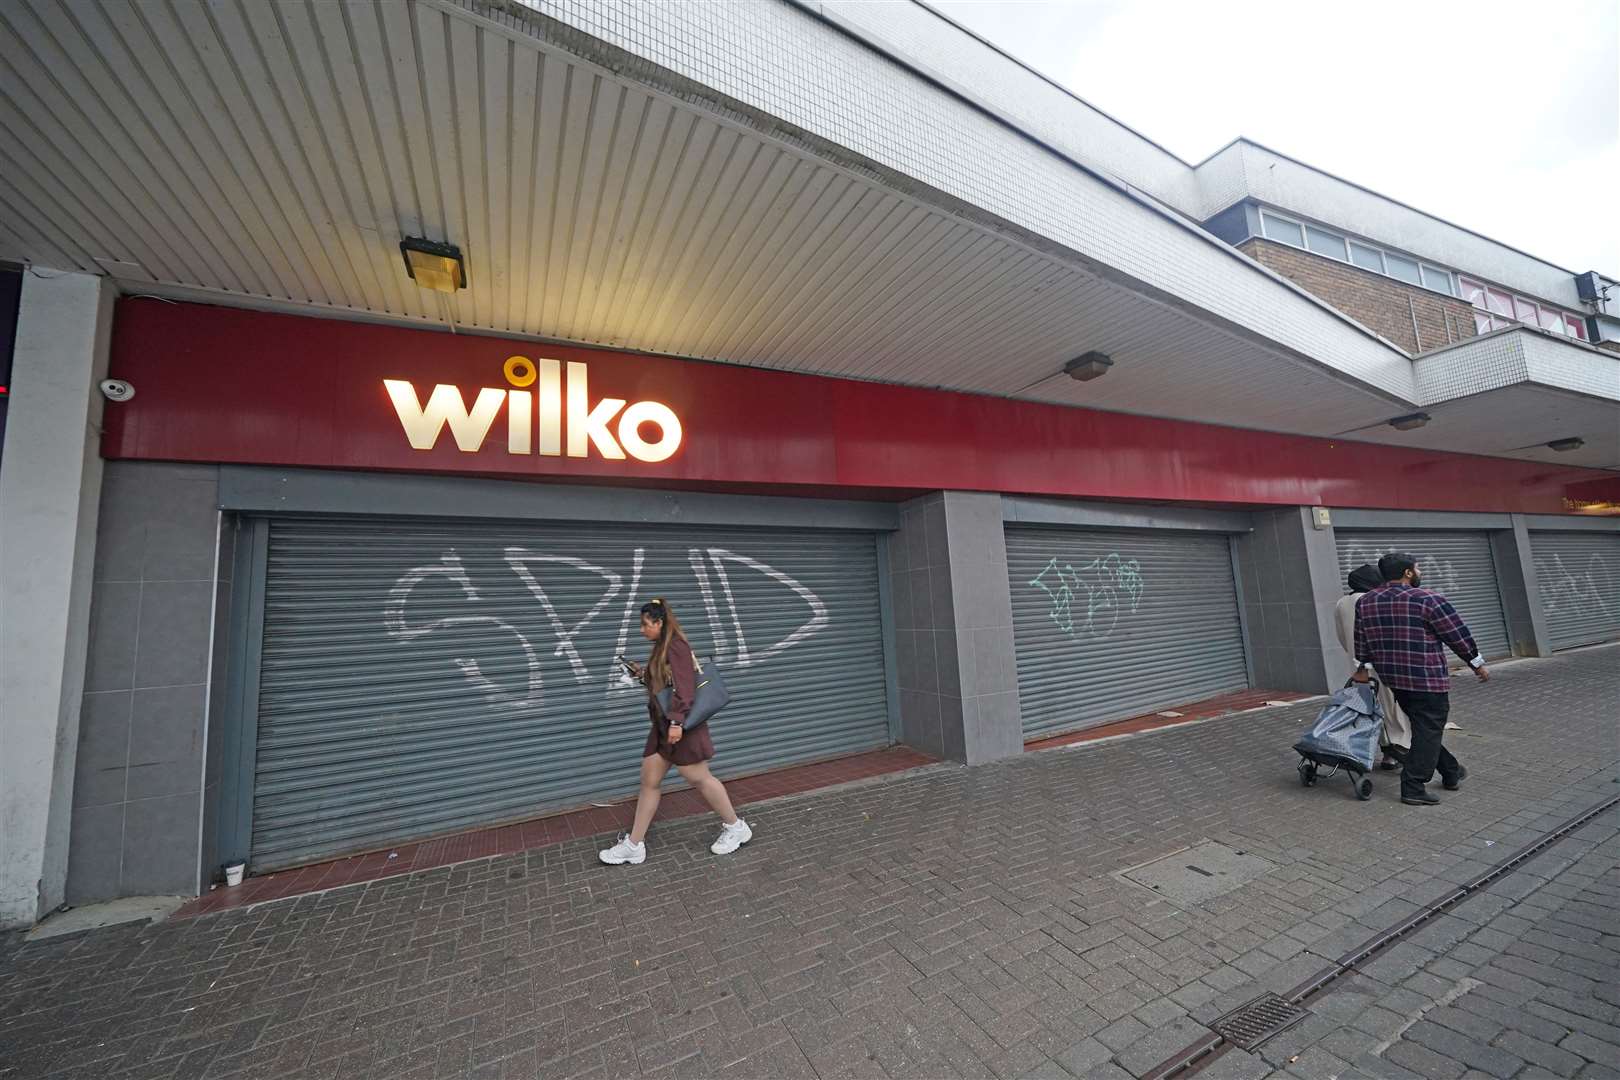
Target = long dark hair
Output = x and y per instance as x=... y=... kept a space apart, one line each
x=659 y=674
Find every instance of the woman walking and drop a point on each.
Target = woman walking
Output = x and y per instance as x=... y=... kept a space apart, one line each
x=669 y=743
x=1397 y=737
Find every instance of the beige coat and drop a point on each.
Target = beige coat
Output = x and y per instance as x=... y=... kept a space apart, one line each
x=1397 y=728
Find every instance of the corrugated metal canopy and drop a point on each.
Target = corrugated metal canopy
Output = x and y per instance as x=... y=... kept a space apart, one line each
x=275 y=153
x=278 y=152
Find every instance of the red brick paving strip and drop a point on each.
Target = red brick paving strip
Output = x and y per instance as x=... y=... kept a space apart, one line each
x=543 y=832
x=1238 y=701
x=595 y=820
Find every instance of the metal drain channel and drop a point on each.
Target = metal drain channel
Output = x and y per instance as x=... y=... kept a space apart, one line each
x=1197 y=1056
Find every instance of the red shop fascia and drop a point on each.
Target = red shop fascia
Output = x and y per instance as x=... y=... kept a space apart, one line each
x=229 y=386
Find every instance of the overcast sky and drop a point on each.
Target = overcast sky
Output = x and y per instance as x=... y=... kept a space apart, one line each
x=1503 y=118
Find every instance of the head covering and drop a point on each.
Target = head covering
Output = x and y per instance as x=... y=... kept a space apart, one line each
x=1365 y=577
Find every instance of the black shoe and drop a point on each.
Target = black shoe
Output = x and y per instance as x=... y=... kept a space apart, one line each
x=1422 y=798
x=1456 y=781
x=1389 y=764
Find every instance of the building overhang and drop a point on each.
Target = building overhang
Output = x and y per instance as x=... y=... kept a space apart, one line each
x=610 y=184
x=1512 y=393
x=275 y=156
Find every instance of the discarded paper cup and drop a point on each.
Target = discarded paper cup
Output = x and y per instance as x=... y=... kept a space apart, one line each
x=233 y=874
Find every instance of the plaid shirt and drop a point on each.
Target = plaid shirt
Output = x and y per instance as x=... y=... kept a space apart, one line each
x=1399 y=631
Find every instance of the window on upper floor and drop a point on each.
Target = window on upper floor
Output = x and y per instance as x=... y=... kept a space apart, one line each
x=1326 y=242
x=1497 y=309
x=1289 y=232
x=1366 y=257
x=1403 y=268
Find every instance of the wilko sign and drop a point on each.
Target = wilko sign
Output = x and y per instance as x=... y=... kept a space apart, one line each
x=547 y=434
x=235 y=387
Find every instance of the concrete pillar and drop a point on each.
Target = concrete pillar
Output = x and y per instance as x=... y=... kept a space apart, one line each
x=1521 y=590
x=50 y=488
x=1289 y=574
x=953 y=623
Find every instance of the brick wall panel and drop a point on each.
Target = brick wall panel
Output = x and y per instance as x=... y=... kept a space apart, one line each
x=1382 y=304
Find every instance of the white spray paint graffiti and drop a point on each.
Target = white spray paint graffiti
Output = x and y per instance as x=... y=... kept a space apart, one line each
x=450 y=567
x=731 y=645
x=519 y=558
x=619 y=679
x=1100 y=588
x=1583 y=591
x=742 y=657
x=1439 y=575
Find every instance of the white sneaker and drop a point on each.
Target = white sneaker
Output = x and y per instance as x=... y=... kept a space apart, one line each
x=624 y=852
x=732 y=837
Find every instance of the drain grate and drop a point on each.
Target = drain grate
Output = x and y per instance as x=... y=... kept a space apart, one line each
x=1247 y=1026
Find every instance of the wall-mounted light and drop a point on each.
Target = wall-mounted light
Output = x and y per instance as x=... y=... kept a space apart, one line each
x=1091 y=365
x=433 y=265
x=1410 y=422
x=1563 y=446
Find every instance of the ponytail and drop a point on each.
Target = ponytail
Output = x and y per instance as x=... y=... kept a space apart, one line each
x=659 y=674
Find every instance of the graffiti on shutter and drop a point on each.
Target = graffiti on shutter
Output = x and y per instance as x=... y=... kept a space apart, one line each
x=1439 y=575
x=1087 y=602
x=709 y=568
x=1578 y=587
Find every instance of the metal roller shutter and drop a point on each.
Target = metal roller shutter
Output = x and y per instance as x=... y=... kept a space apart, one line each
x=1111 y=623
x=1457 y=565
x=1579 y=575
x=424 y=677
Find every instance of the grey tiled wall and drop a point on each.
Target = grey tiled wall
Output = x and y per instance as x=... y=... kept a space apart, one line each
x=1521 y=592
x=953 y=624
x=1289 y=578
x=137 y=793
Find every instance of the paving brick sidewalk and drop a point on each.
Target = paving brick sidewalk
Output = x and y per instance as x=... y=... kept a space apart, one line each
x=957 y=922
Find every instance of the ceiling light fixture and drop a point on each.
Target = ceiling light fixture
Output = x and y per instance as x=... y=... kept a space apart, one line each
x=433 y=265
x=1091 y=365
x=1574 y=442
x=1410 y=422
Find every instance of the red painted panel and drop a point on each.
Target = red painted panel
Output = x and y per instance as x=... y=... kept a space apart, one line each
x=232 y=386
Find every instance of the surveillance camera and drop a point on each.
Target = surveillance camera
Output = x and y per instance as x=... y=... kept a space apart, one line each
x=117 y=390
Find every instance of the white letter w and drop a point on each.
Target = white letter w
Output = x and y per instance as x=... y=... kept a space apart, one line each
x=422 y=425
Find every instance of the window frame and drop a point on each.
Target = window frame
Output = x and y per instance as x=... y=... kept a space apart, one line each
x=1417 y=269
x=1375 y=252
x=1487 y=318
x=1270 y=218
x=1267 y=216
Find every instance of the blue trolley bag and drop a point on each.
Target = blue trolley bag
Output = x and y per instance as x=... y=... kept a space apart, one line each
x=1345 y=734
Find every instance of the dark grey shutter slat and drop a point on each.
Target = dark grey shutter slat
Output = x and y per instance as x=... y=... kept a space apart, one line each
x=1110 y=654
x=397 y=700
x=1579 y=578
x=1457 y=565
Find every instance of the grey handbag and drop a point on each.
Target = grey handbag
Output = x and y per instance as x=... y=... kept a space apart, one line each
x=711 y=695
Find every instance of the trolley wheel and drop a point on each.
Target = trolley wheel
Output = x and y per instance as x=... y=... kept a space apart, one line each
x=1307 y=773
x=1364 y=790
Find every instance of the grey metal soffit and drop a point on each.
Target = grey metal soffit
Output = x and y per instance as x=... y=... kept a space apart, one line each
x=1457 y=565
x=1109 y=624
x=422 y=678
x=1579 y=578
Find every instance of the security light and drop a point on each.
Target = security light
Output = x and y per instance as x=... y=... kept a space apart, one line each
x=1092 y=365
x=1574 y=442
x=433 y=265
x=1410 y=422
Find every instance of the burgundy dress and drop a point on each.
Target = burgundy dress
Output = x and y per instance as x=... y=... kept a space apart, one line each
x=695 y=746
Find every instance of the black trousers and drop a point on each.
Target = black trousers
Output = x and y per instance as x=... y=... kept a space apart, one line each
x=1428 y=714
